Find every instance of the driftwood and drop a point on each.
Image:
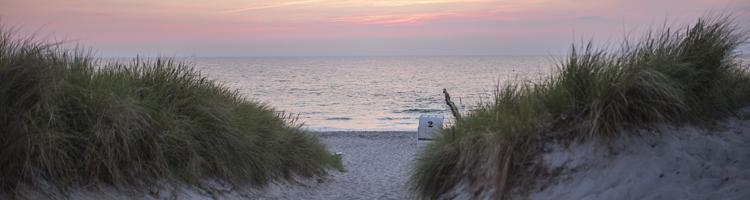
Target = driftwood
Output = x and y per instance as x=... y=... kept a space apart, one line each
x=451 y=105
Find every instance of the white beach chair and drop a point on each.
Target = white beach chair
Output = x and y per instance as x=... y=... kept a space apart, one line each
x=429 y=126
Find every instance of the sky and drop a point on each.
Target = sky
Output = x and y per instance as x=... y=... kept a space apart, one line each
x=237 y=28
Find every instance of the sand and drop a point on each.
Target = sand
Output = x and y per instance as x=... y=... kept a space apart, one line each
x=377 y=167
x=664 y=163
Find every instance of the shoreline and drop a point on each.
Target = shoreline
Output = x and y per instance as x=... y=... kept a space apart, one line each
x=359 y=133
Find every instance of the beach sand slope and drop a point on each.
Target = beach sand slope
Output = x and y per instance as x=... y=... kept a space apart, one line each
x=665 y=163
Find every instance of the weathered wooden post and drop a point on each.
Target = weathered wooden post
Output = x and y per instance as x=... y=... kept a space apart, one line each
x=451 y=105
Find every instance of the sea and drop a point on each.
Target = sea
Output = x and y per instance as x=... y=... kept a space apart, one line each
x=370 y=93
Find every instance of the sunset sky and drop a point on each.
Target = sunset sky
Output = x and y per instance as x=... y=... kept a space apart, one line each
x=347 y=27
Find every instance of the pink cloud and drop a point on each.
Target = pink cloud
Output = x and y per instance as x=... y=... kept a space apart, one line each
x=396 y=19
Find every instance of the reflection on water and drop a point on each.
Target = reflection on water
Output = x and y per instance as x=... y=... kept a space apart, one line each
x=370 y=93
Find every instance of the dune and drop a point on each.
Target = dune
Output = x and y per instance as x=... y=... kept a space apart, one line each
x=666 y=162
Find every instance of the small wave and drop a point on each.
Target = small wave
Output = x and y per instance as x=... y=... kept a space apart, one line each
x=395 y=118
x=428 y=99
x=339 y=118
x=422 y=110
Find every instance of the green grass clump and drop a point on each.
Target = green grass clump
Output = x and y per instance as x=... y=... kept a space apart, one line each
x=681 y=75
x=70 y=121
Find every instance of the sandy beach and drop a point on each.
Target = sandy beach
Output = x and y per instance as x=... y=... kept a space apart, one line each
x=377 y=167
x=389 y=99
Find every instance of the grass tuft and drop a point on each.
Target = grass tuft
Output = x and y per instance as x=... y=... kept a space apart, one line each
x=68 y=120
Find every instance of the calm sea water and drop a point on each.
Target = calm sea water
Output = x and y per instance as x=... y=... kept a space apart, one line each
x=370 y=93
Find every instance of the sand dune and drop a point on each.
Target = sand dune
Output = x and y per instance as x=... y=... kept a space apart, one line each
x=666 y=163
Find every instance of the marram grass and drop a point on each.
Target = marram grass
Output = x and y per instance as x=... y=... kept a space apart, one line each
x=68 y=121
x=683 y=75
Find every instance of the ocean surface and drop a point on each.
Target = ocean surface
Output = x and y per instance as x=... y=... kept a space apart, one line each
x=370 y=93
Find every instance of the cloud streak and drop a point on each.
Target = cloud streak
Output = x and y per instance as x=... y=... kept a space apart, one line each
x=395 y=19
x=269 y=6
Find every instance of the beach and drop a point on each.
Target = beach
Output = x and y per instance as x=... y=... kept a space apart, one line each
x=377 y=167
x=396 y=99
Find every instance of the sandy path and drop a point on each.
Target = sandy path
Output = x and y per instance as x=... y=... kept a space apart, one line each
x=377 y=165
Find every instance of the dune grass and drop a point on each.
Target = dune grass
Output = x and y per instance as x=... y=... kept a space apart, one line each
x=70 y=121
x=684 y=75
